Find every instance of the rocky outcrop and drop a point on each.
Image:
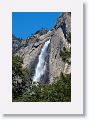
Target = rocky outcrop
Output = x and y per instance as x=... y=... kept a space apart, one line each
x=17 y=44
x=64 y=22
x=30 y=49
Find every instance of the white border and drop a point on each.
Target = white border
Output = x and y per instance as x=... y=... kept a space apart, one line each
x=6 y=104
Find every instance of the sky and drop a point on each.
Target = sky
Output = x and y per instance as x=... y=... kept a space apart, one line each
x=25 y=24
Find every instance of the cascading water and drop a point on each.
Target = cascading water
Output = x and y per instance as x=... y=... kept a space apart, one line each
x=41 y=67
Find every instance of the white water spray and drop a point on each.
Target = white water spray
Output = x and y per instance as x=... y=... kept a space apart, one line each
x=40 y=69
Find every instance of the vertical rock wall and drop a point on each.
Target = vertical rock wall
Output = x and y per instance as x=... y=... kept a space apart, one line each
x=56 y=66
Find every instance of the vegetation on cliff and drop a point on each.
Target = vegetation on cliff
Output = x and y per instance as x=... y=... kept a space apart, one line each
x=69 y=37
x=65 y=53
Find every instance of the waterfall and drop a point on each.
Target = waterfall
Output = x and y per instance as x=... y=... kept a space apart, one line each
x=41 y=66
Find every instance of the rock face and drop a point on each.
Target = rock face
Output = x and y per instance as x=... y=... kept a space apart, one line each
x=56 y=66
x=58 y=41
x=64 y=22
x=30 y=49
x=17 y=44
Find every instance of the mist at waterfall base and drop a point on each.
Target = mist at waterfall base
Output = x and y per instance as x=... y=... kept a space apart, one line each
x=41 y=66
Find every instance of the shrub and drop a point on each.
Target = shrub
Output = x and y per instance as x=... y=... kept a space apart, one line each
x=65 y=54
x=69 y=37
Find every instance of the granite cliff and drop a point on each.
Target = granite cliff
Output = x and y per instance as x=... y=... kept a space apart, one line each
x=56 y=63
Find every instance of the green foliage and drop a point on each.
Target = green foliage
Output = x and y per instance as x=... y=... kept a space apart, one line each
x=18 y=73
x=17 y=66
x=59 y=91
x=69 y=37
x=65 y=54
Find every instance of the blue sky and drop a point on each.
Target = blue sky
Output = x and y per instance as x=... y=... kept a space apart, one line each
x=26 y=23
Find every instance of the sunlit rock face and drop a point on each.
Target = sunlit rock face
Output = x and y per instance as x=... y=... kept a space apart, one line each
x=56 y=66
